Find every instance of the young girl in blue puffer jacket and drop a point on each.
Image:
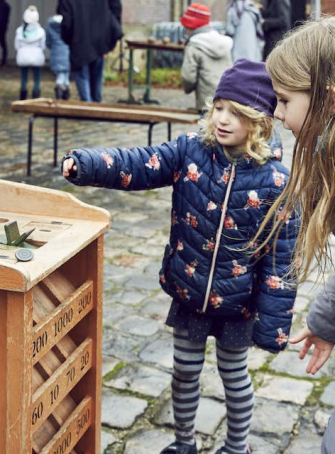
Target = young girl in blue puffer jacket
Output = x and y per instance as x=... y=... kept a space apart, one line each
x=224 y=181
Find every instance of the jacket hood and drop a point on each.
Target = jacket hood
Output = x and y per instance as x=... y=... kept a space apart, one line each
x=32 y=32
x=211 y=42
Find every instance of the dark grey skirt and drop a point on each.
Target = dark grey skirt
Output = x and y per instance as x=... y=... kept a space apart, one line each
x=233 y=332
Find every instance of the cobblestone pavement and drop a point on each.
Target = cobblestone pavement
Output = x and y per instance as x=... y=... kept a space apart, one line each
x=291 y=408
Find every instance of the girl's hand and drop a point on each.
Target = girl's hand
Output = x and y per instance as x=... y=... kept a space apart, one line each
x=69 y=167
x=321 y=352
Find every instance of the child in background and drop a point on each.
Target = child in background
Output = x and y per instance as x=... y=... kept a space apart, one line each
x=207 y=54
x=243 y=24
x=224 y=181
x=303 y=74
x=30 y=45
x=59 y=56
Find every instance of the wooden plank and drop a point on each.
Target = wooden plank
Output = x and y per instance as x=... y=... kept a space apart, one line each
x=97 y=111
x=53 y=391
x=3 y=370
x=89 y=264
x=18 y=105
x=72 y=430
x=154 y=45
x=61 y=320
x=18 y=369
x=59 y=205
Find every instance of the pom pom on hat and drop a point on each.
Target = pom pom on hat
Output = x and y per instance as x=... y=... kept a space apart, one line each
x=31 y=16
x=196 y=15
x=248 y=83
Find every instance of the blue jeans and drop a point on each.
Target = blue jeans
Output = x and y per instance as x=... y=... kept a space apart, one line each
x=24 y=77
x=89 y=80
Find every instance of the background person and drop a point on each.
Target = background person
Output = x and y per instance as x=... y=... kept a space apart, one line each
x=91 y=29
x=207 y=54
x=30 y=45
x=4 y=19
x=243 y=24
x=276 y=22
x=59 y=56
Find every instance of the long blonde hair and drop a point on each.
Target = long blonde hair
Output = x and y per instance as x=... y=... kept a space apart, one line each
x=258 y=125
x=305 y=61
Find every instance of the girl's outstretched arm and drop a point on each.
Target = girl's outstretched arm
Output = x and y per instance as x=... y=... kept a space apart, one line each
x=129 y=169
x=321 y=352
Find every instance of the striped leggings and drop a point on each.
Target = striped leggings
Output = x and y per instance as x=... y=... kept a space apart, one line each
x=232 y=366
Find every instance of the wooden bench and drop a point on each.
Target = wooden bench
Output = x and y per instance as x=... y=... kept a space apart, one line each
x=79 y=110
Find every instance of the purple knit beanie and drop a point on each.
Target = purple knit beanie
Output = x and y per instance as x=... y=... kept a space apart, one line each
x=248 y=83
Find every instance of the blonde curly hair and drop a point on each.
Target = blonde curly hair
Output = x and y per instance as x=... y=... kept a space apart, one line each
x=258 y=125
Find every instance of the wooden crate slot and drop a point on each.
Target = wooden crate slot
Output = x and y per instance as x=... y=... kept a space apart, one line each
x=53 y=391
x=55 y=325
x=51 y=324
x=72 y=430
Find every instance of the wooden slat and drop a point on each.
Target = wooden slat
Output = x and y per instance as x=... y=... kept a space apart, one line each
x=61 y=320
x=98 y=111
x=53 y=391
x=154 y=45
x=18 y=368
x=72 y=430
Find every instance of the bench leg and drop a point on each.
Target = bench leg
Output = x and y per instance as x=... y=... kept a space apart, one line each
x=30 y=143
x=169 y=131
x=151 y=125
x=55 y=140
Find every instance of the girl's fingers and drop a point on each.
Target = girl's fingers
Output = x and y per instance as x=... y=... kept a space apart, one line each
x=304 y=350
x=300 y=336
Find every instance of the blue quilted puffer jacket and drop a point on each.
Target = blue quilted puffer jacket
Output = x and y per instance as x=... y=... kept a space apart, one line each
x=217 y=207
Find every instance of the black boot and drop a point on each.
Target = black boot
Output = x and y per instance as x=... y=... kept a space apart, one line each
x=36 y=93
x=23 y=94
x=58 y=91
x=66 y=93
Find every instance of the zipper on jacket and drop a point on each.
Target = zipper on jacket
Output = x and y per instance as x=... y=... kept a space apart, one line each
x=218 y=235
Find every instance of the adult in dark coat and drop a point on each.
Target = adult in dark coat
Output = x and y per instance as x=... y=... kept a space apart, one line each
x=91 y=29
x=4 y=19
x=298 y=14
x=276 y=22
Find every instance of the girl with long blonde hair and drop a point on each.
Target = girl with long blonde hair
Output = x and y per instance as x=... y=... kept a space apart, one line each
x=302 y=69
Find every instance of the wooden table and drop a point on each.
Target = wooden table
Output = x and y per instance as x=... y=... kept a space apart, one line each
x=79 y=110
x=149 y=46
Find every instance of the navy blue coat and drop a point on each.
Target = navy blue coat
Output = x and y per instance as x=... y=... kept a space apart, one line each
x=59 y=51
x=242 y=284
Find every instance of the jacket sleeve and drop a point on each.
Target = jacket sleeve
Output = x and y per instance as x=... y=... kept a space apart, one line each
x=189 y=70
x=321 y=316
x=277 y=289
x=42 y=41
x=67 y=23
x=128 y=169
x=116 y=8
x=17 y=38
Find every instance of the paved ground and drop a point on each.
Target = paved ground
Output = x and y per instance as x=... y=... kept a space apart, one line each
x=291 y=407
